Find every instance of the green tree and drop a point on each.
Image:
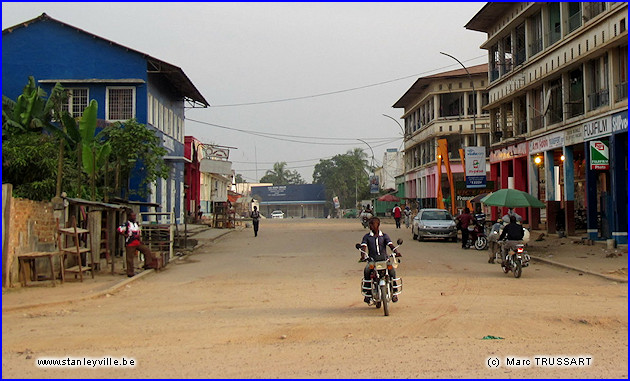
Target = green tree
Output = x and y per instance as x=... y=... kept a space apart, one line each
x=239 y=178
x=344 y=176
x=137 y=152
x=280 y=175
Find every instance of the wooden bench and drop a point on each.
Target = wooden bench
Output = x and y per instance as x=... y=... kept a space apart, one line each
x=31 y=257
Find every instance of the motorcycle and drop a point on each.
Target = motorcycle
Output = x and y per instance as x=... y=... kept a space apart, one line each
x=381 y=285
x=365 y=218
x=517 y=258
x=477 y=236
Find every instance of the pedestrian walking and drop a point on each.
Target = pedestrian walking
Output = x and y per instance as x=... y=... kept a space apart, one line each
x=466 y=220
x=255 y=215
x=397 y=215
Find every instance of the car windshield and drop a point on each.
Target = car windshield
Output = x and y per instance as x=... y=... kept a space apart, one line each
x=436 y=215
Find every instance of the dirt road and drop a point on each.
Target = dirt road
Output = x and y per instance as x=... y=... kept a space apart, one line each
x=287 y=304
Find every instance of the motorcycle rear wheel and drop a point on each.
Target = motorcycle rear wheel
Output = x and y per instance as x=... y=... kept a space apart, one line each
x=518 y=269
x=481 y=243
x=384 y=299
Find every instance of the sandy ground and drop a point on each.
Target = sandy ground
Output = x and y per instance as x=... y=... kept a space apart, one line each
x=287 y=304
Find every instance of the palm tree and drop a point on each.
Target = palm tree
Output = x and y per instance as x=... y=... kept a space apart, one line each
x=279 y=175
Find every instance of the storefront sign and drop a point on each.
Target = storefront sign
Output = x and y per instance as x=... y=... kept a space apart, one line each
x=508 y=153
x=336 y=202
x=546 y=143
x=599 y=155
x=620 y=122
x=574 y=136
x=597 y=128
x=475 y=158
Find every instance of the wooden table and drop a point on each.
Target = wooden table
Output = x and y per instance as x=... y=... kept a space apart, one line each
x=30 y=257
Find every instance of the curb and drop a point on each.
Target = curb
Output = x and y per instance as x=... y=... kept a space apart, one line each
x=554 y=263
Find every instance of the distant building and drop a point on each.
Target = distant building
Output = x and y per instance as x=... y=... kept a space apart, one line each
x=126 y=83
x=392 y=167
x=442 y=106
x=296 y=201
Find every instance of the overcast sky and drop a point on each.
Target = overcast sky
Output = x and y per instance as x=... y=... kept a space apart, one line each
x=237 y=53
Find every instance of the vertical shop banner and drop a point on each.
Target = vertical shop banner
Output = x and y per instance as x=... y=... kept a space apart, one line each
x=599 y=155
x=475 y=158
x=336 y=202
x=374 y=186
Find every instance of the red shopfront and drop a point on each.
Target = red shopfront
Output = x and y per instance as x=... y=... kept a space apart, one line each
x=508 y=170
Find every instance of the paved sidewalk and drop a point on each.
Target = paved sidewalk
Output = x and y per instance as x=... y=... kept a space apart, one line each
x=104 y=283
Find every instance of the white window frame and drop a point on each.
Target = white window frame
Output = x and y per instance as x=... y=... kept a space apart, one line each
x=133 y=101
x=150 y=109
x=69 y=105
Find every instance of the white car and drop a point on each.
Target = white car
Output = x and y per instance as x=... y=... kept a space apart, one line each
x=434 y=223
x=277 y=214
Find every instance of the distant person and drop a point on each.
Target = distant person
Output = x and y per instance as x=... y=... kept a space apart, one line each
x=199 y=213
x=255 y=215
x=131 y=231
x=397 y=215
x=510 y=213
x=407 y=213
x=465 y=220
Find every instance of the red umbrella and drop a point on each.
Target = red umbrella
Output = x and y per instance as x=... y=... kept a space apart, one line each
x=389 y=197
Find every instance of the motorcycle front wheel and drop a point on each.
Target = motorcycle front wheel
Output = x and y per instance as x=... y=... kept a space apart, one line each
x=384 y=299
x=518 y=268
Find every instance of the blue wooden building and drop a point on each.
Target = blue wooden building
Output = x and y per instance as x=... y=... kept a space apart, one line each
x=126 y=84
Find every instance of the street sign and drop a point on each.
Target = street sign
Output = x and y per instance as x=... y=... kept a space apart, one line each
x=599 y=155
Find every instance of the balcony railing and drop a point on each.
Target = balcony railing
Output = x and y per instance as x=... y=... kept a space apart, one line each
x=622 y=91
x=598 y=99
x=554 y=35
x=592 y=9
x=576 y=107
x=494 y=74
x=536 y=122
x=535 y=46
x=575 y=21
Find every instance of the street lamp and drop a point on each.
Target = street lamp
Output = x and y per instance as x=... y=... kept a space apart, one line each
x=474 y=97
x=399 y=125
x=372 y=162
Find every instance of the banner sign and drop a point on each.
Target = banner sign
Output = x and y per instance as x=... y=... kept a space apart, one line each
x=336 y=202
x=599 y=155
x=374 y=186
x=475 y=158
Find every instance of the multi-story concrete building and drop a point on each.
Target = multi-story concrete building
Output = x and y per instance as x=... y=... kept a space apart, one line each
x=558 y=109
x=442 y=106
x=392 y=167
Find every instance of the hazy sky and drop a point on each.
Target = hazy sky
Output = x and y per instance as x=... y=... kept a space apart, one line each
x=238 y=53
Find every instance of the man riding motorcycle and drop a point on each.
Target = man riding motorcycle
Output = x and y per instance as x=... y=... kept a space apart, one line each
x=514 y=233
x=375 y=245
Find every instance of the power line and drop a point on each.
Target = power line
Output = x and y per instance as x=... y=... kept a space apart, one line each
x=341 y=91
x=291 y=138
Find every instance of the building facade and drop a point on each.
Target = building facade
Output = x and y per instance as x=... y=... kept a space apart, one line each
x=558 y=78
x=296 y=201
x=442 y=106
x=126 y=83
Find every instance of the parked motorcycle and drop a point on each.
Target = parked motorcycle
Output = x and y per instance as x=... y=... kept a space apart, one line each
x=380 y=287
x=517 y=258
x=477 y=236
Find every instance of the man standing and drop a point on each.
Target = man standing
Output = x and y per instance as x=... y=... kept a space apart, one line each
x=131 y=231
x=466 y=220
x=255 y=215
x=397 y=214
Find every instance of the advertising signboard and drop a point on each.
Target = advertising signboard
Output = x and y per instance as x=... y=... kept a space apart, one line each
x=599 y=155
x=475 y=158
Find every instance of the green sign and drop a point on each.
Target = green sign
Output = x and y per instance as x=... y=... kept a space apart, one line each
x=599 y=155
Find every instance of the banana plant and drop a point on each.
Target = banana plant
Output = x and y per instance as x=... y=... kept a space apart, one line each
x=94 y=152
